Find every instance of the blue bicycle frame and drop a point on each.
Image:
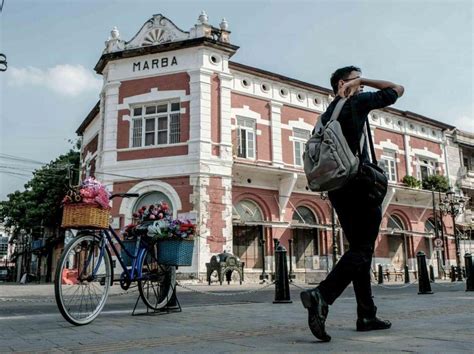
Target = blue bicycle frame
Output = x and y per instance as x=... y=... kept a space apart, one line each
x=134 y=273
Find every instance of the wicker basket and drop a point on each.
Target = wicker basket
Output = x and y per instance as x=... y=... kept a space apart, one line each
x=82 y=215
x=175 y=252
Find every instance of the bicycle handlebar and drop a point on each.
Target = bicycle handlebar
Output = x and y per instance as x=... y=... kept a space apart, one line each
x=125 y=195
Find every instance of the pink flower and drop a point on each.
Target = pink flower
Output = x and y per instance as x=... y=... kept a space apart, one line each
x=152 y=217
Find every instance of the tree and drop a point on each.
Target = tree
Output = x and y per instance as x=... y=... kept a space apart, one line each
x=40 y=204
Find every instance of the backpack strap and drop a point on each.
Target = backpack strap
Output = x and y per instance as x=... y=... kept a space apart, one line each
x=337 y=109
x=360 y=146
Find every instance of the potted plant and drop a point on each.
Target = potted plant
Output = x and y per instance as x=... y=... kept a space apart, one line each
x=436 y=182
x=411 y=182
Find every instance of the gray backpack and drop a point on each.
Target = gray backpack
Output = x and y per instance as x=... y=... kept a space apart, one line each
x=328 y=161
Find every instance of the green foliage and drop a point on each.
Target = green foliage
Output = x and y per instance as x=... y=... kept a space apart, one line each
x=411 y=182
x=39 y=204
x=437 y=183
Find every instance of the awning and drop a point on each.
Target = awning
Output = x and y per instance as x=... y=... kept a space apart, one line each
x=280 y=224
x=406 y=232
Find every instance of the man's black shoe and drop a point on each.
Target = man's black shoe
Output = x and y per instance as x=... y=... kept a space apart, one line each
x=317 y=313
x=371 y=324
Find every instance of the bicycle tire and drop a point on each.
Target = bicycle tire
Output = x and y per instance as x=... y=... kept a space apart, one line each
x=63 y=283
x=158 y=282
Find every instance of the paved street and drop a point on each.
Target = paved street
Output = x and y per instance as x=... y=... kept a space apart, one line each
x=247 y=322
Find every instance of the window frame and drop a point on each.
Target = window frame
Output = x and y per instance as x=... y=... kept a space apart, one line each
x=144 y=117
x=388 y=157
x=429 y=163
x=243 y=124
x=301 y=141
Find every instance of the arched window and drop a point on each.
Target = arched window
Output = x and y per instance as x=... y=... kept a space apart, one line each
x=395 y=223
x=246 y=210
x=304 y=215
x=153 y=198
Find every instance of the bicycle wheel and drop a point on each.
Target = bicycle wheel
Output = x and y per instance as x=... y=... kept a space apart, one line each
x=157 y=283
x=82 y=280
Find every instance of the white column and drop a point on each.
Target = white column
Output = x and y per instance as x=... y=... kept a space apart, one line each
x=109 y=133
x=225 y=109
x=406 y=139
x=200 y=114
x=275 y=121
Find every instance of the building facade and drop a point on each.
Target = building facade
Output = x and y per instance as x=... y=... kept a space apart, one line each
x=221 y=142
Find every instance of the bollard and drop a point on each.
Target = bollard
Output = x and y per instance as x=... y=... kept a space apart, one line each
x=469 y=272
x=424 y=286
x=453 y=274
x=380 y=274
x=282 y=284
x=432 y=277
x=407 y=275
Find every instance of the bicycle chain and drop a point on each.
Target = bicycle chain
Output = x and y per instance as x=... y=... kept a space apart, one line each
x=224 y=294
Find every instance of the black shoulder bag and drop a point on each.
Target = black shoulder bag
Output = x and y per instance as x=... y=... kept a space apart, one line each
x=370 y=177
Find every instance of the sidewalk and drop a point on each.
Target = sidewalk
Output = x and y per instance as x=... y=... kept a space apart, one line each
x=442 y=322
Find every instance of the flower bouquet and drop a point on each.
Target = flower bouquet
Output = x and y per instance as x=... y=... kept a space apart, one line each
x=174 y=238
x=86 y=206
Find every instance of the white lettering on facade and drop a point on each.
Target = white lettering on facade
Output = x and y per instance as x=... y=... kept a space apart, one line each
x=154 y=64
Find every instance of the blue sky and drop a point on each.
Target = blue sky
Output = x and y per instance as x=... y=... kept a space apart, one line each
x=52 y=47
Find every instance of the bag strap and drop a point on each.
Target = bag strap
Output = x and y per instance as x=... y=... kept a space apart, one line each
x=337 y=109
x=363 y=136
x=371 y=143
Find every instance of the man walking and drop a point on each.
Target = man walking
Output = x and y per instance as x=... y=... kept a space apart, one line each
x=359 y=220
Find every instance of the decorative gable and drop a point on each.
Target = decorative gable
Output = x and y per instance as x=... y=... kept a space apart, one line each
x=159 y=30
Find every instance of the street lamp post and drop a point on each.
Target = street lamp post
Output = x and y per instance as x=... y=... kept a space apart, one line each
x=454 y=205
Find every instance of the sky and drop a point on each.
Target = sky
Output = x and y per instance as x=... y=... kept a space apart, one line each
x=52 y=47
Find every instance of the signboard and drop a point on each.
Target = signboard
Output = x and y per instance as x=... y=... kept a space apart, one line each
x=438 y=242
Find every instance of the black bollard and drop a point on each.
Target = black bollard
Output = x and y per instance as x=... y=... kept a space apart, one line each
x=424 y=286
x=469 y=272
x=432 y=277
x=453 y=274
x=282 y=284
x=380 y=274
x=407 y=275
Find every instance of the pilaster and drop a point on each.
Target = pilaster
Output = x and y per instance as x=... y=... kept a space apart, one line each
x=275 y=121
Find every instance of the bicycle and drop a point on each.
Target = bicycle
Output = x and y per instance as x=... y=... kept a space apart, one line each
x=84 y=273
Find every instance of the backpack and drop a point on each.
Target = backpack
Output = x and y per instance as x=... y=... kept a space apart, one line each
x=328 y=161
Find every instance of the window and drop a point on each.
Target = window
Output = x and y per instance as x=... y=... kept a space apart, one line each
x=426 y=167
x=157 y=124
x=246 y=138
x=389 y=163
x=300 y=137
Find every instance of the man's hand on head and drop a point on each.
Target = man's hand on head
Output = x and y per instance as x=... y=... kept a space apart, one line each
x=349 y=88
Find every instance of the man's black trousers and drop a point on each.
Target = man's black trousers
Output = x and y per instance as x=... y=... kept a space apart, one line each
x=360 y=223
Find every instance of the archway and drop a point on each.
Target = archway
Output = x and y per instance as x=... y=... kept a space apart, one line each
x=247 y=233
x=397 y=242
x=305 y=238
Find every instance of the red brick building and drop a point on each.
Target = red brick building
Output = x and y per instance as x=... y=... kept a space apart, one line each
x=177 y=120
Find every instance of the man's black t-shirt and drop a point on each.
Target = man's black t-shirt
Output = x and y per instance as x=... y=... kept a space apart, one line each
x=363 y=103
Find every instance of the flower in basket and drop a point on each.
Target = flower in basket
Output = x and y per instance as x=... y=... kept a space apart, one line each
x=159 y=229
x=90 y=191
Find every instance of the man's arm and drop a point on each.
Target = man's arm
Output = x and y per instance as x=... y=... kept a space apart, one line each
x=381 y=84
x=351 y=87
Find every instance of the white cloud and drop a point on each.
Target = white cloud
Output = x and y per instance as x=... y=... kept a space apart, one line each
x=67 y=80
